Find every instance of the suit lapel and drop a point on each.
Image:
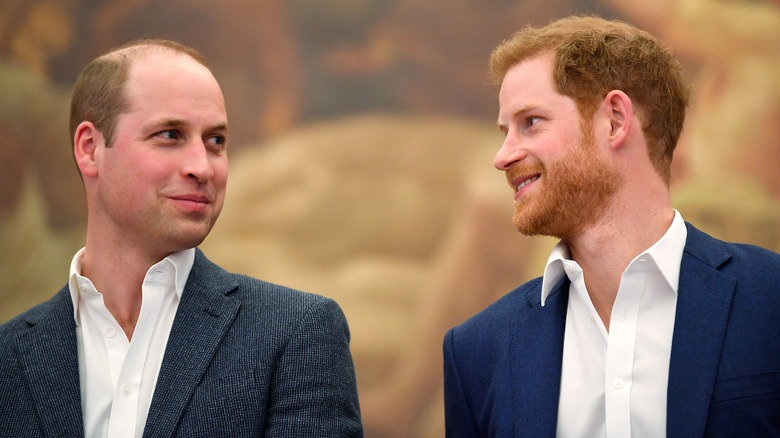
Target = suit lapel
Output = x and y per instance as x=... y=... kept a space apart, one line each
x=204 y=315
x=536 y=368
x=703 y=304
x=49 y=358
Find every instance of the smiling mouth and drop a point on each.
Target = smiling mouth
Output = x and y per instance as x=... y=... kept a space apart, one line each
x=192 y=204
x=526 y=182
x=192 y=198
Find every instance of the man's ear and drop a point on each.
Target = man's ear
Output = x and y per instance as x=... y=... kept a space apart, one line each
x=86 y=141
x=620 y=113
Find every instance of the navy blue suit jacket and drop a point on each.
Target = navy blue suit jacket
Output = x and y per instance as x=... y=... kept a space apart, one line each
x=502 y=368
x=244 y=358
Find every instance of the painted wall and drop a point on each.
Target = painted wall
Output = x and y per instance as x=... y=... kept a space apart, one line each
x=362 y=136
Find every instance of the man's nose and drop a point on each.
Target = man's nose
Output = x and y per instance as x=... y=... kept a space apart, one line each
x=196 y=162
x=511 y=152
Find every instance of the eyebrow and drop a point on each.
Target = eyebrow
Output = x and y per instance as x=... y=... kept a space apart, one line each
x=175 y=123
x=532 y=107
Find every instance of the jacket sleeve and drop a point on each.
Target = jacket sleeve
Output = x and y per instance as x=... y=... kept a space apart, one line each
x=313 y=388
x=457 y=416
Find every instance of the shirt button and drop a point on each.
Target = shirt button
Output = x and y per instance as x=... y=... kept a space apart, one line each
x=126 y=390
x=110 y=332
x=82 y=288
x=618 y=383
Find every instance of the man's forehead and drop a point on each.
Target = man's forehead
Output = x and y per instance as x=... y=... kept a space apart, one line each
x=536 y=67
x=526 y=79
x=169 y=71
x=173 y=90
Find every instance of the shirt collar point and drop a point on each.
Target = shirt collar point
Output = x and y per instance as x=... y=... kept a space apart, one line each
x=553 y=270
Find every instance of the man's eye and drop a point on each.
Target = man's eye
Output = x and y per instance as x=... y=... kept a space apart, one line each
x=218 y=141
x=169 y=134
x=533 y=120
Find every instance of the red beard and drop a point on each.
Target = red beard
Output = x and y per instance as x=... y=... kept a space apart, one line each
x=573 y=192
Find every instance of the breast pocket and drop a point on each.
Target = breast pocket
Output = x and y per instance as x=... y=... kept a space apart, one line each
x=745 y=406
x=745 y=387
x=231 y=404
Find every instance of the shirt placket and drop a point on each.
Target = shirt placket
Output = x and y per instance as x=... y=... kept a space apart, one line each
x=619 y=363
x=124 y=410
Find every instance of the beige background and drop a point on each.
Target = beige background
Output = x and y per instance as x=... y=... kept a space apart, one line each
x=362 y=135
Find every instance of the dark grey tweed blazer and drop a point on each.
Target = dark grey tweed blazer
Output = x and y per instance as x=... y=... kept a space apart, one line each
x=244 y=358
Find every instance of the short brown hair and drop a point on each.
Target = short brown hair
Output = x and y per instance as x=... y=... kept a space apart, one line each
x=593 y=56
x=98 y=95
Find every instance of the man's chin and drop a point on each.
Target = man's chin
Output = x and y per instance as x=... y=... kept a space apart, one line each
x=540 y=224
x=188 y=239
x=526 y=224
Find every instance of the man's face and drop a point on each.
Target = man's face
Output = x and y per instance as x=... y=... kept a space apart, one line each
x=161 y=185
x=562 y=180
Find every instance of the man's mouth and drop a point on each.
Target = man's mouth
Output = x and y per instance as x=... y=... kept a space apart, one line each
x=519 y=183
x=192 y=202
x=526 y=182
x=200 y=199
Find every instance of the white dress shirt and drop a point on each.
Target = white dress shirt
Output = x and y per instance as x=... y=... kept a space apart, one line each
x=614 y=384
x=118 y=376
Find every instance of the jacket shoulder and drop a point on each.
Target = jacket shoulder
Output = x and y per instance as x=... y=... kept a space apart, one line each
x=280 y=309
x=35 y=314
x=246 y=289
x=748 y=264
x=501 y=312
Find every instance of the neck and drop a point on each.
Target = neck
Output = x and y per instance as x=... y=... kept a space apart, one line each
x=118 y=273
x=605 y=249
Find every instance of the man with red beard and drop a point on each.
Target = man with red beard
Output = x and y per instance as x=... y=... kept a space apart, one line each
x=641 y=325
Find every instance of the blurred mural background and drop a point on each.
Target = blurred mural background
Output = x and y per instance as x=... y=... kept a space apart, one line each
x=362 y=135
